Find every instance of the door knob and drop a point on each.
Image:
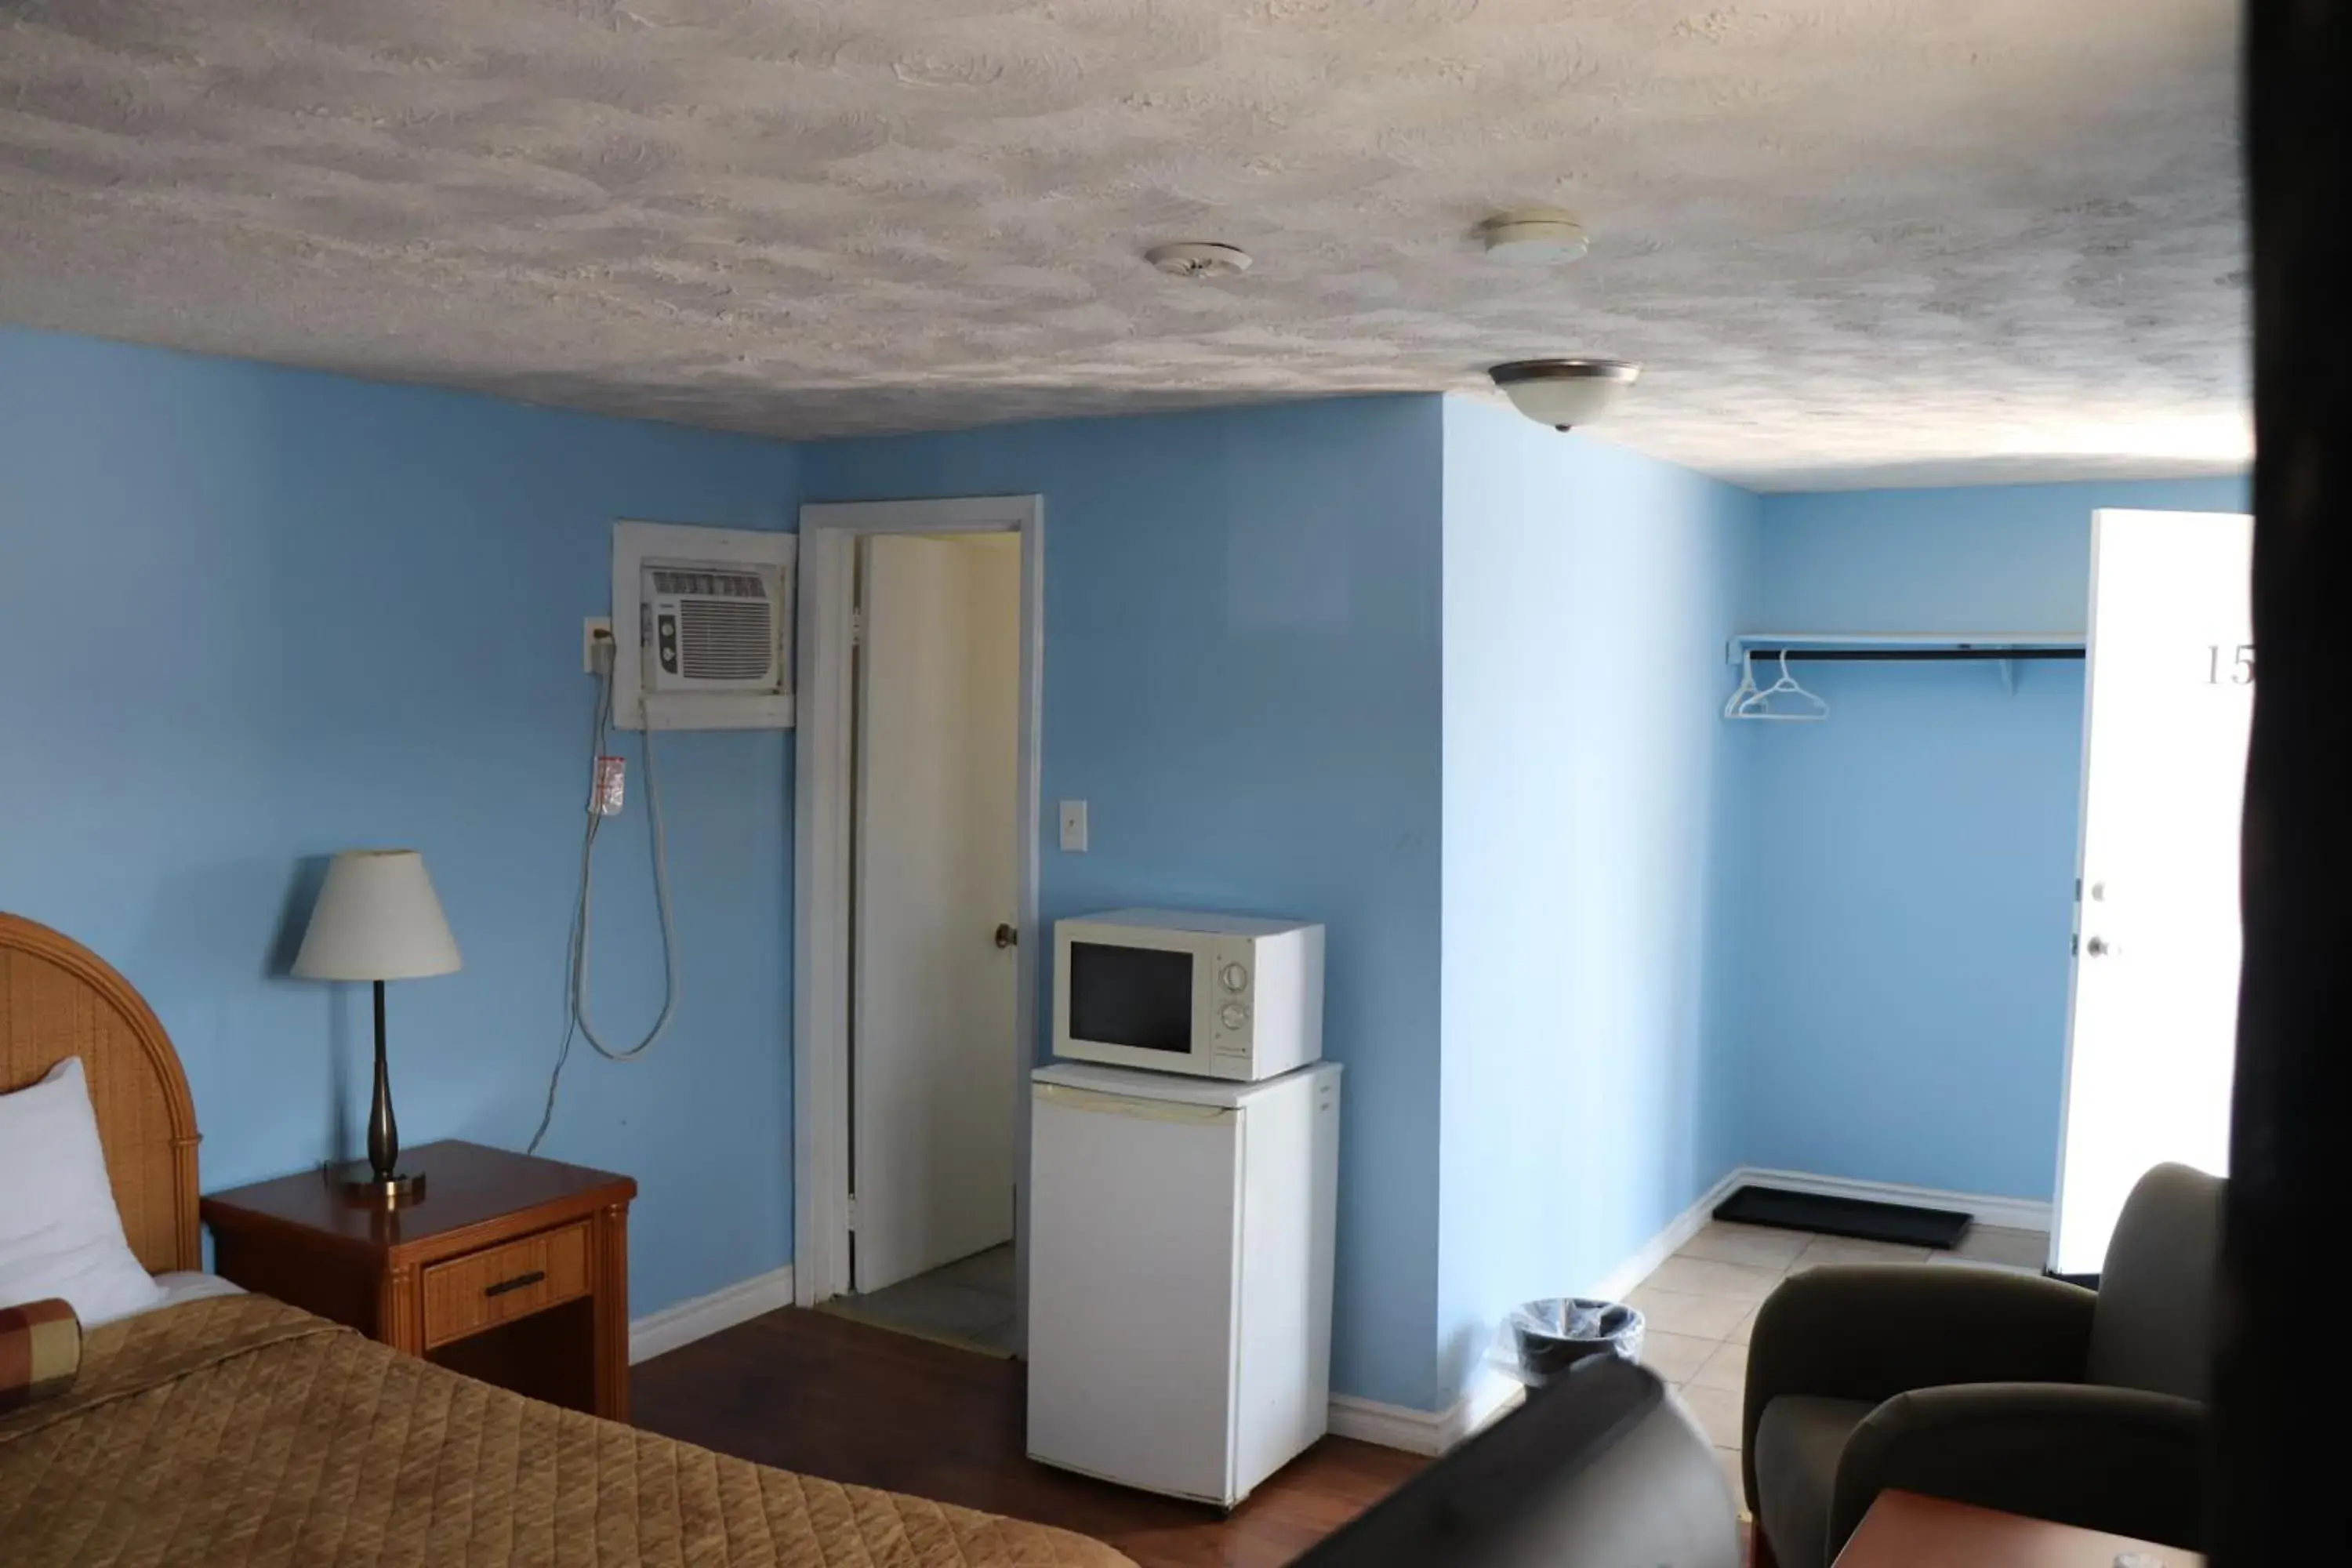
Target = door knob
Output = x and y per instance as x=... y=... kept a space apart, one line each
x=1007 y=936
x=2097 y=947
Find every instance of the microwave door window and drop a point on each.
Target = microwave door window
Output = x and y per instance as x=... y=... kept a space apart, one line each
x=1140 y=997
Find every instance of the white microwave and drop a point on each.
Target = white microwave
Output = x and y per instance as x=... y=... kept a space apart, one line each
x=1215 y=995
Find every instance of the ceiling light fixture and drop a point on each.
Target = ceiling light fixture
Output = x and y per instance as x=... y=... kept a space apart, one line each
x=1534 y=237
x=1562 y=393
x=1198 y=258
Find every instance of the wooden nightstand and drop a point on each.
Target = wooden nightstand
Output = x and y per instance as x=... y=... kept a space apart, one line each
x=511 y=1270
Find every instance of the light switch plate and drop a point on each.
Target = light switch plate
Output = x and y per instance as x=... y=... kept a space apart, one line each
x=1074 y=826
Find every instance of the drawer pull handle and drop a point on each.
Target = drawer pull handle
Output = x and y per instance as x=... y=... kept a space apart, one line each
x=517 y=1283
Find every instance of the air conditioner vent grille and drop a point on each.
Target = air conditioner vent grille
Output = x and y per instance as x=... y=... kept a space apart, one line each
x=725 y=641
x=715 y=584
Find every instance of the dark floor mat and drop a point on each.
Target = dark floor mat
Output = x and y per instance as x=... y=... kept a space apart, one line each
x=1897 y=1223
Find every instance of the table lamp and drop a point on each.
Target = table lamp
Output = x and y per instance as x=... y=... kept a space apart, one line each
x=377 y=919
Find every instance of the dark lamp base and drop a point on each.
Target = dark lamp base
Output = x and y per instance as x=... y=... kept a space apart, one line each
x=360 y=1183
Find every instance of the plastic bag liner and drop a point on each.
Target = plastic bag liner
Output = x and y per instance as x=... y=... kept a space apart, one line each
x=1542 y=1339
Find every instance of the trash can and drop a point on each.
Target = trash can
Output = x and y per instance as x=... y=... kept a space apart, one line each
x=1543 y=1339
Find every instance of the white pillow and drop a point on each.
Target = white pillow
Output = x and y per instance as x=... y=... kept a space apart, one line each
x=59 y=1232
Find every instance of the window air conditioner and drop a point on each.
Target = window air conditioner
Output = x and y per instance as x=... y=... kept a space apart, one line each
x=706 y=628
x=712 y=613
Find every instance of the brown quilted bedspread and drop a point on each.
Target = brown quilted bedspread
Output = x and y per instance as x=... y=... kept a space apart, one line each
x=240 y=1430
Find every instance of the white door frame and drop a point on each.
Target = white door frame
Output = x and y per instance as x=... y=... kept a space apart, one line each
x=822 y=795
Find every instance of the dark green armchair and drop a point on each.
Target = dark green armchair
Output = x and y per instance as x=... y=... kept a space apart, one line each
x=1999 y=1389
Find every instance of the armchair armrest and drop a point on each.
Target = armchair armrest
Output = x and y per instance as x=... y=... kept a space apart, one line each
x=1869 y=1331
x=2116 y=1459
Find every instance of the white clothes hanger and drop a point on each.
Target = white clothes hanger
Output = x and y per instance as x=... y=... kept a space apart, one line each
x=1752 y=701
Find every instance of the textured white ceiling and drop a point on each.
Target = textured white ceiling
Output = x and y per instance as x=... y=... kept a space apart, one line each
x=1853 y=241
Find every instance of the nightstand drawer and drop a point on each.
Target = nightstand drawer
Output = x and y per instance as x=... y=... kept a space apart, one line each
x=467 y=1295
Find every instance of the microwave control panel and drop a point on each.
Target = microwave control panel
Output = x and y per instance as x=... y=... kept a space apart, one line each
x=1231 y=1034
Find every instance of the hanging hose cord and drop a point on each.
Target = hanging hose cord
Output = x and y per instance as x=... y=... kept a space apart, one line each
x=576 y=951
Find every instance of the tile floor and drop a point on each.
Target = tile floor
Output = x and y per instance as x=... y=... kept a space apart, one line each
x=1699 y=1304
x=969 y=1302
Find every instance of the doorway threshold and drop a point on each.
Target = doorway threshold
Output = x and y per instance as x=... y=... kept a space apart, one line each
x=968 y=1304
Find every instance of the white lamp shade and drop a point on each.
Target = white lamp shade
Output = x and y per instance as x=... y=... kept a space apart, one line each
x=376 y=918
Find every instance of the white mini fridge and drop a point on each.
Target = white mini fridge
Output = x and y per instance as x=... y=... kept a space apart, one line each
x=1180 y=1274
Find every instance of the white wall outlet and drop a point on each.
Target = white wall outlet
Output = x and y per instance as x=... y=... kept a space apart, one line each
x=1074 y=826
x=592 y=628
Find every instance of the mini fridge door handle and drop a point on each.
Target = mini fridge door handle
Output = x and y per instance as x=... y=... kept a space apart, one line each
x=1124 y=1105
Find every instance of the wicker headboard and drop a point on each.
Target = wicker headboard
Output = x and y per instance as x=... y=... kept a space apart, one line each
x=59 y=999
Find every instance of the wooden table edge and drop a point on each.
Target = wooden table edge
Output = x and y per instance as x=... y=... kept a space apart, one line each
x=223 y=1213
x=2063 y=1546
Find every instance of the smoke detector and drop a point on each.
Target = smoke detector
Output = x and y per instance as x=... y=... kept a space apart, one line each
x=1198 y=258
x=1562 y=393
x=1533 y=237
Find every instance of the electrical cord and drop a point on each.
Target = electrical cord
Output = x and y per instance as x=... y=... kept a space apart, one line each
x=576 y=1023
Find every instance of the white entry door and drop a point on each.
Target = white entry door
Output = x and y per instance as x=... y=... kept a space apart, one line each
x=2169 y=700
x=934 y=1080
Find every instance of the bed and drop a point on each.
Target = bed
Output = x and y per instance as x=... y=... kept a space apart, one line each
x=232 y=1428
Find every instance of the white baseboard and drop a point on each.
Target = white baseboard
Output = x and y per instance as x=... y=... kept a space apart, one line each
x=2017 y=1213
x=1431 y=1432
x=1494 y=1397
x=657 y=1333
x=1613 y=1285
x=1390 y=1425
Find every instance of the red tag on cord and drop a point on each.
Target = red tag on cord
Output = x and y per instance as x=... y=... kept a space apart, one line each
x=605 y=796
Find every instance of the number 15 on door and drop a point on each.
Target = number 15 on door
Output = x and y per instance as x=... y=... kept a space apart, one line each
x=2234 y=667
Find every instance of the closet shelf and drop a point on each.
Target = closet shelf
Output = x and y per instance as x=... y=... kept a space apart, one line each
x=1825 y=645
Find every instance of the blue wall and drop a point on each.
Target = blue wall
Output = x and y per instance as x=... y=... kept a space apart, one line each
x=1588 y=593
x=1241 y=680
x=1379 y=661
x=1900 y=879
x=249 y=616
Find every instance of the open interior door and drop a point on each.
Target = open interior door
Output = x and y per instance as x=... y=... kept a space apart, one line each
x=934 y=1075
x=2168 y=699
